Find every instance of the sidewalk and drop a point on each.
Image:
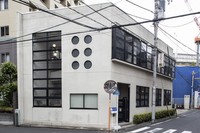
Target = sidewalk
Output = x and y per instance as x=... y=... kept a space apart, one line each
x=6 y=119
x=181 y=111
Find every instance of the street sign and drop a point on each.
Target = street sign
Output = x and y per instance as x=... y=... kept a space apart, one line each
x=110 y=86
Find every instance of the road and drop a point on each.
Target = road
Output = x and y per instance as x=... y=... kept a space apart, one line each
x=185 y=123
x=13 y=129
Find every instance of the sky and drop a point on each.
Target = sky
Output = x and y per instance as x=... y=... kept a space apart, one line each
x=183 y=29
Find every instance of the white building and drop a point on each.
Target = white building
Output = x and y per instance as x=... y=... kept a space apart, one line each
x=62 y=70
x=186 y=59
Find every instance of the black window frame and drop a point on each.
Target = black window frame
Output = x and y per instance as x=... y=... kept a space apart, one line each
x=142 y=96
x=138 y=52
x=4 y=31
x=158 y=97
x=5 y=5
x=167 y=97
x=51 y=64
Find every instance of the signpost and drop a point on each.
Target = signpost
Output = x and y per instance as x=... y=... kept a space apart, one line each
x=110 y=87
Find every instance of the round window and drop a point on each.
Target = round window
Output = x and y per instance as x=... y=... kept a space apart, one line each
x=88 y=64
x=87 y=52
x=75 y=65
x=87 y=39
x=75 y=53
x=75 y=40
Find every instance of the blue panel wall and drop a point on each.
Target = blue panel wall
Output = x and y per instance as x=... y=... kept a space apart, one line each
x=183 y=82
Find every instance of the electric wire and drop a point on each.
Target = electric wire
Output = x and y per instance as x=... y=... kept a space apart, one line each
x=137 y=16
x=139 y=6
x=175 y=26
x=53 y=13
x=130 y=24
x=96 y=12
x=177 y=40
x=86 y=16
x=8 y=40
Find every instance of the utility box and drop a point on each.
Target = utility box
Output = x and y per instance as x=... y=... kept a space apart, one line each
x=186 y=101
x=196 y=99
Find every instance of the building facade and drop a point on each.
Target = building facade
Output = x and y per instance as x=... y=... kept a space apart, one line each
x=186 y=59
x=9 y=19
x=62 y=70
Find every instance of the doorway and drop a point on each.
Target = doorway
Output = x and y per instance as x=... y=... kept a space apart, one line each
x=123 y=103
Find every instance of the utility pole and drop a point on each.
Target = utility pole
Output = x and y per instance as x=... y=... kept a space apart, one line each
x=159 y=10
x=155 y=59
x=192 y=91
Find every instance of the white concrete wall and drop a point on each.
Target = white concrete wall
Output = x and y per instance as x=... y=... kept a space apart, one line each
x=81 y=80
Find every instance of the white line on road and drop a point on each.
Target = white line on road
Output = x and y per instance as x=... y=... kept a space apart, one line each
x=140 y=129
x=187 y=132
x=154 y=130
x=170 y=131
x=161 y=122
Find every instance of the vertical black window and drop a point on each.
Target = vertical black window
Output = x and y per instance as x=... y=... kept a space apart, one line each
x=47 y=69
x=3 y=4
x=5 y=57
x=142 y=96
x=167 y=97
x=158 y=97
x=4 y=30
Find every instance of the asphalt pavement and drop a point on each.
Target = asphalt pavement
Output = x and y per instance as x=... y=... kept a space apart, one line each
x=6 y=126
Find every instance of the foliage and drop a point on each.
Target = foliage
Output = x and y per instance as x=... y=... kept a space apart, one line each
x=8 y=78
x=145 y=117
x=140 y=118
x=6 y=109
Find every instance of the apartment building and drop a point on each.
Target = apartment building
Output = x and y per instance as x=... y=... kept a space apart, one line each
x=9 y=19
x=62 y=69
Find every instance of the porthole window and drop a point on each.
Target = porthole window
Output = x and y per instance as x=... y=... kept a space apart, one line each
x=75 y=53
x=75 y=65
x=87 y=39
x=75 y=40
x=88 y=64
x=87 y=52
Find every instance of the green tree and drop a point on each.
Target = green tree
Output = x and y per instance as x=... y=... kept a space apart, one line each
x=8 y=84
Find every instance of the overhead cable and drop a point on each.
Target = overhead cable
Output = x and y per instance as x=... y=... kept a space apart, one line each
x=124 y=25
x=31 y=4
x=140 y=6
x=8 y=40
x=177 y=40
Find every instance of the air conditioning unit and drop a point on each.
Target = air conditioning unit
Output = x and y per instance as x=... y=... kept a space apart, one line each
x=161 y=57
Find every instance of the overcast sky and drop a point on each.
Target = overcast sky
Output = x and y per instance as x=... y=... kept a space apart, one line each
x=183 y=29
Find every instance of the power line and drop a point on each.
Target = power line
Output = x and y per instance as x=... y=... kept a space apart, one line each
x=139 y=6
x=57 y=24
x=30 y=4
x=86 y=16
x=137 y=16
x=177 y=40
x=167 y=35
x=175 y=26
x=97 y=12
x=124 y=25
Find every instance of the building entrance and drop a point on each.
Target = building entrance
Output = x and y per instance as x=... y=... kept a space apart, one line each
x=123 y=103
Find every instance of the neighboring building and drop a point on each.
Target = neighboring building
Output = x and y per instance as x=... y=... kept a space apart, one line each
x=182 y=84
x=8 y=22
x=186 y=59
x=62 y=70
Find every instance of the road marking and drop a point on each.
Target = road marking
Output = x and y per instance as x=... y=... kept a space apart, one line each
x=170 y=131
x=154 y=130
x=161 y=122
x=187 y=132
x=139 y=130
